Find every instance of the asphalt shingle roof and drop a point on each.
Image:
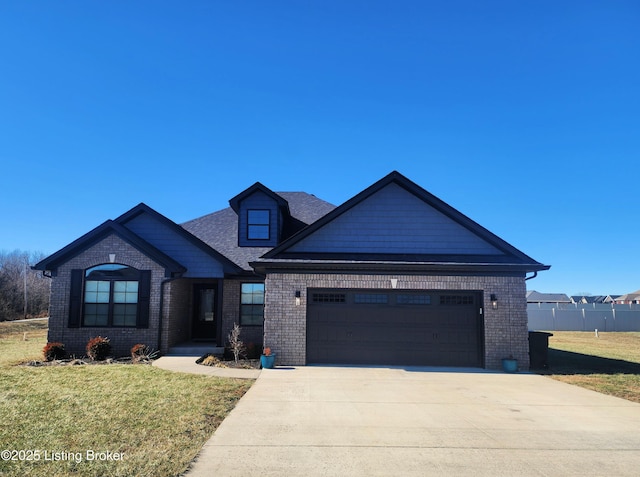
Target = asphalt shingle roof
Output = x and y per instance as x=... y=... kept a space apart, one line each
x=630 y=296
x=219 y=229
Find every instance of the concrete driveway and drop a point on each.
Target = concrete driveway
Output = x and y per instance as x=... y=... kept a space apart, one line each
x=337 y=421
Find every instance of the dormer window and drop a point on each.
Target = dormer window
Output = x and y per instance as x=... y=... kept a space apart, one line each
x=258 y=222
x=261 y=216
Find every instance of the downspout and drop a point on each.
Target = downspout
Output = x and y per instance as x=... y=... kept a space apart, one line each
x=535 y=274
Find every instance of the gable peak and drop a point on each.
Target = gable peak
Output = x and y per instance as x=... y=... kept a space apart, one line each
x=257 y=187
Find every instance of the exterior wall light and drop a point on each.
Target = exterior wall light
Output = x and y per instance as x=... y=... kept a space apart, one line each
x=297 y=297
x=494 y=301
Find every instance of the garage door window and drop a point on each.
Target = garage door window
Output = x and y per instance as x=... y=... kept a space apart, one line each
x=456 y=299
x=413 y=299
x=371 y=298
x=329 y=298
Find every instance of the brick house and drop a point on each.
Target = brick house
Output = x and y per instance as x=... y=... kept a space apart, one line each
x=392 y=276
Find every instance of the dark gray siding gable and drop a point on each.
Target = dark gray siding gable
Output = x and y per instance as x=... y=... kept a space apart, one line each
x=196 y=260
x=259 y=201
x=394 y=221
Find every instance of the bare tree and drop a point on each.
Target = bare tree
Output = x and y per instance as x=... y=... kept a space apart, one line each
x=235 y=343
x=23 y=292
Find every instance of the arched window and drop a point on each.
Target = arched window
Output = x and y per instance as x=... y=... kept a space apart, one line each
x=111 y=296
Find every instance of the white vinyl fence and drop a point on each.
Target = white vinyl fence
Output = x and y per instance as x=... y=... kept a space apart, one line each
x=577 y=317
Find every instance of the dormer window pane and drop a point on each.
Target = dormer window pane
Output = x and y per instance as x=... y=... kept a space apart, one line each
x=258 y=224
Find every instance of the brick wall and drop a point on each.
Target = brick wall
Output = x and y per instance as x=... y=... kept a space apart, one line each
x=231 y=315
x=122 y=339
x=176 y=313
x=505 y=328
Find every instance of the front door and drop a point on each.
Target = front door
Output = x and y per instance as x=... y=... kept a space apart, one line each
x=205 y=302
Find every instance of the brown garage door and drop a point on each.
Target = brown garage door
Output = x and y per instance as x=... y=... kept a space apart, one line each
x=396 y=327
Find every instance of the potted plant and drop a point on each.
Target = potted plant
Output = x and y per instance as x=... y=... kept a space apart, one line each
x=510 y=364
x=267 y=359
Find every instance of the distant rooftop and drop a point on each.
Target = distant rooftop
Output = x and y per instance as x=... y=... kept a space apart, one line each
x=537 y=297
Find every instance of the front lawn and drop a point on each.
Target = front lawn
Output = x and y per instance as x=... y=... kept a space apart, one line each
x=153 y=421
x=21 y=340
x=609 y=363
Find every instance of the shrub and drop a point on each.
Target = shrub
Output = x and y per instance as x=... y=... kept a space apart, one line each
x=140 y=351
x=210 y=359
x=54 y=351
x=98 y=348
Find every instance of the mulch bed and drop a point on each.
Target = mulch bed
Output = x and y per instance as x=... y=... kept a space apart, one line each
x=206 y=360
x=212 y=360
x=86 y=361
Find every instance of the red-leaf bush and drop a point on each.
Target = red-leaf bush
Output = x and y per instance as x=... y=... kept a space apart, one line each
x=98 y=348
x=54 y=351
x=139 y=351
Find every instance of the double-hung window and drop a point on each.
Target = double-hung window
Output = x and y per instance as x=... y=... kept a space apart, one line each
x=258 y=224
x=251 y=304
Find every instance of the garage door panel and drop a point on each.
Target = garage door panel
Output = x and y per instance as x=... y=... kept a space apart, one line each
x=404 y=328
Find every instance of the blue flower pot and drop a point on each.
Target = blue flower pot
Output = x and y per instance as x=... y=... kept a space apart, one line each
x=267 y=362
x=510 y=365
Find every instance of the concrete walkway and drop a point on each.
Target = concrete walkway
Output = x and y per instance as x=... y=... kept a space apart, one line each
x=342 y=421
x=187 y=364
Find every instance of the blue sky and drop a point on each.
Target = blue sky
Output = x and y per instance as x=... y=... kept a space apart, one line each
x=524 y=115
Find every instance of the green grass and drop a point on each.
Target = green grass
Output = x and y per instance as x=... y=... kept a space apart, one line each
x=14 y=348
x=157 y=419
x=609 y=363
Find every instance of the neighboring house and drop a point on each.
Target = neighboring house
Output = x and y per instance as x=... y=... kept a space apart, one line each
x=537 y=297
x=610 y=299
x=629 y=298
x=392 y=276
x=578 y=299
x=589 y=300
